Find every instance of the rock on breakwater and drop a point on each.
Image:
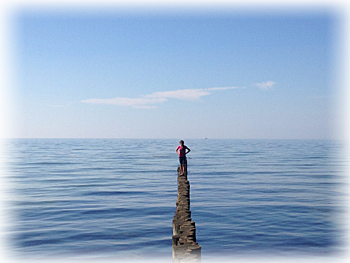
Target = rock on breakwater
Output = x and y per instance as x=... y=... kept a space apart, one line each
x=185 y=247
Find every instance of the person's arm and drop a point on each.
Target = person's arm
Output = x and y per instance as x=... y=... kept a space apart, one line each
x=188 y=150
x=177 y=150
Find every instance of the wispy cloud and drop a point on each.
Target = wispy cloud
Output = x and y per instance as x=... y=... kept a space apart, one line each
x=185 y=94
x=266 y=85
x=148 y=101
x=134 y=102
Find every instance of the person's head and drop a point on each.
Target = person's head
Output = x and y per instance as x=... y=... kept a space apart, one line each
x=182 y=142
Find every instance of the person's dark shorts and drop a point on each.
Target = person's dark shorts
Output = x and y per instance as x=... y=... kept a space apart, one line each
x=182 y=160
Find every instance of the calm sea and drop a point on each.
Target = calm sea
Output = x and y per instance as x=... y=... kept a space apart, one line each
x=115 y=198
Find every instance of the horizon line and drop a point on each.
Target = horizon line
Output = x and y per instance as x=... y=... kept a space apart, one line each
x=193 y=138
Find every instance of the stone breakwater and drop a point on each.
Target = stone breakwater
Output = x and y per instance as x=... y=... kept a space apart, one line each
x=185 y=247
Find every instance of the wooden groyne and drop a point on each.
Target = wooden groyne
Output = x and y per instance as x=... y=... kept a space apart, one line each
x=185 y=247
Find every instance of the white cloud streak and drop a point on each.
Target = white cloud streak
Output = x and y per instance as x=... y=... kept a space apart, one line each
x=266 y=85
x=135 y=102
x=185 y=94
x=148 y=101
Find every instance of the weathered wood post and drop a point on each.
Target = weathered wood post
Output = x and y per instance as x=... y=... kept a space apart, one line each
x=185 y=247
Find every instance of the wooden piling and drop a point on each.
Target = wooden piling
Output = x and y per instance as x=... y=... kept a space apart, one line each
x=185 y=247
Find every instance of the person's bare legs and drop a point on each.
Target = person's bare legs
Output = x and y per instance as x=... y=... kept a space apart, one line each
x=182 y=169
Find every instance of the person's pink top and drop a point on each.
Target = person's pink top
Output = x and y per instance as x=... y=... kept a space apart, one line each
x=182 y=150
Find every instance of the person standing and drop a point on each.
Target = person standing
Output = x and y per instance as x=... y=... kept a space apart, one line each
x=182 y=150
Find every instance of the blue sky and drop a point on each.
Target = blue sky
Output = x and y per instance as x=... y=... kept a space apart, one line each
x=210 y=74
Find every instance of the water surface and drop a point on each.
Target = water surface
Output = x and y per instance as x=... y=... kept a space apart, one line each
x=113 y=198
